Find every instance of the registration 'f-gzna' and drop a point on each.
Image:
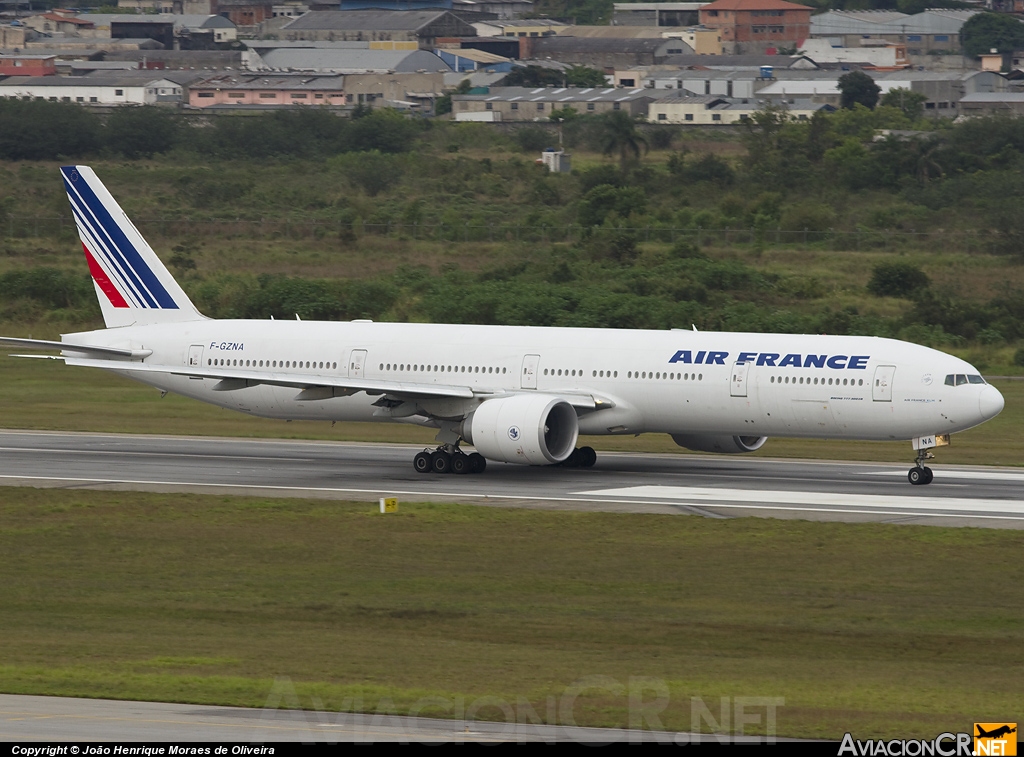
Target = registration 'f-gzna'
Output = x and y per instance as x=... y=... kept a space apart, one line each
x=516 y=394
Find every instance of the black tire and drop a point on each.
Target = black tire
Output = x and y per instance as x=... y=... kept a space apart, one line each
x=460 y=464
x=441 y=462
x=477 y=463
x=574 y=459
x=928 y=476
x=916 y=476
x=422 y=463
x=587 y=457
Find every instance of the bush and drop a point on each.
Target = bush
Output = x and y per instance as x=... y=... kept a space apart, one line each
x=1018 y=357
x=534 y=139
x=897 y=279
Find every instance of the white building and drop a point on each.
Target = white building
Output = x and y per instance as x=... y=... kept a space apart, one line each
x=92 y=90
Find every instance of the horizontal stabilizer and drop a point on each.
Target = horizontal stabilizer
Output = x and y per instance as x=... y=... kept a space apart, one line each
x=81 y=349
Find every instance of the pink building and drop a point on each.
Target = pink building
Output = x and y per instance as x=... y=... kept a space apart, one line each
x=281 y=90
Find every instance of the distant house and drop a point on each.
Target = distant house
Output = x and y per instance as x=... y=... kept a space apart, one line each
x=107 y=89
x=537 y=104
x=685 y=108
x=756 y=26
x=28 y=65
x=251 y=13
x=656 y=14
x=606 y=53
x=56 y=23
x=422 y=27
x=277 y=90
x=933 y=30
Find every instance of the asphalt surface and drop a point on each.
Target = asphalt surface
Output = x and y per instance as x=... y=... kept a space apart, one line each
x=720 y=487
x=27 y=719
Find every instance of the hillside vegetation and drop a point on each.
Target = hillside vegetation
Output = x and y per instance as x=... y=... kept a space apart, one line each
x=809 y=227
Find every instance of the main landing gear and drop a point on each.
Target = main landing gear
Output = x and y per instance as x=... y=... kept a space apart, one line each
x=449 y=459
x=581 y=457
x=919 y=475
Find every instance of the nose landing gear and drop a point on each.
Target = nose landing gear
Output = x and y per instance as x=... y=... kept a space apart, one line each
x=920 y=475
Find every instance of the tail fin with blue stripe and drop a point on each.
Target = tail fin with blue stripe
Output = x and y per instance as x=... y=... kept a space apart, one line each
x=133 y=286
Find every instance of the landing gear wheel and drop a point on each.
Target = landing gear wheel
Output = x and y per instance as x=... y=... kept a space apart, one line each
x=574 y=460
x=460 y=464
x=477 y=463
x=920 y=476
x=587 y=457
x=422 y=462
x=441 y=462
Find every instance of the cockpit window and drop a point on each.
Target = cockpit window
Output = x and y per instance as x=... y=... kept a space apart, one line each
x=959 y=379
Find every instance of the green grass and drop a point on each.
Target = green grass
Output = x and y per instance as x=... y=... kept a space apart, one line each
x=880 y=630
x=46 y=395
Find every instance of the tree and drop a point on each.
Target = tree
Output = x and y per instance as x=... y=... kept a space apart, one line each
x=534 y=76
x=141 y=132
x=858 y=87
x=911 y=103
x=583 y=76
x=619 y=134
x=897 y=279
x=986 y=31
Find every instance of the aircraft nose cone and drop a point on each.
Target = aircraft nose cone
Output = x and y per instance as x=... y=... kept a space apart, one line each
x=990 y=402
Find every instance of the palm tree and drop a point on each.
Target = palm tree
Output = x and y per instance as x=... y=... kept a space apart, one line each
x=619 y=135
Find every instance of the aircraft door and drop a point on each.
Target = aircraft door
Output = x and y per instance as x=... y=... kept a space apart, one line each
x=738 y=385
x=881 y=388
x=529 y=375
x=356 y=363
x=195 y=356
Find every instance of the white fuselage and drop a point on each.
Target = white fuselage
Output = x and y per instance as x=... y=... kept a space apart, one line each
x=677 y=382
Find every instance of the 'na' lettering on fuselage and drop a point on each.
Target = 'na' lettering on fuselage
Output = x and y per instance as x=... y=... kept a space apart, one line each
x=773 y=359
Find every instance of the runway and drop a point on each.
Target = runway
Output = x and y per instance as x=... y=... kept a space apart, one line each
x=721 y=487
x=26 y=719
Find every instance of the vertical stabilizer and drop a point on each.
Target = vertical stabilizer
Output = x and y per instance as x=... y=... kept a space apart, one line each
x=133 y=286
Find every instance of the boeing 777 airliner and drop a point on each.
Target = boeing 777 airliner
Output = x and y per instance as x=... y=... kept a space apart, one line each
x=516 y=394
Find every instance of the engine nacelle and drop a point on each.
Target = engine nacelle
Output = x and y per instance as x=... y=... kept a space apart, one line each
x=529 y=429
x=725 y=444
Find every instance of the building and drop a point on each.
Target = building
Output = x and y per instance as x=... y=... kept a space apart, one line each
x=605 y=53
x=170 y=30
x=261 y=90
x=992 y=104
x=656 y=14
x=713 y=110
x=936 y=30
x=28 y=65
x=14 y=35
x=341 y=58
x=57 y=23
x=757 y=26
x=422 y=27
x=533 y=27
x=248 y=14
x=537 y=104
x=880 y=55
x=100 y=90
x=182 y=7
x=467 y=60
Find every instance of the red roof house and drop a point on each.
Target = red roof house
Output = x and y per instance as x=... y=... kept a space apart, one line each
x=757 y=26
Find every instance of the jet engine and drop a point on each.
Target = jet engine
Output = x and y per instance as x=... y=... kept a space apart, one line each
x=726 y=444
x=529 y=429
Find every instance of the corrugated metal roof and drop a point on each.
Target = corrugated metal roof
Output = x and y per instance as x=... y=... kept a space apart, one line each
x=354 y=60
x=272 y=81
x=754 y=5
x=376 y=20
x=99 y=80
x=562 y=94
x=889 y=22
x=557 y=44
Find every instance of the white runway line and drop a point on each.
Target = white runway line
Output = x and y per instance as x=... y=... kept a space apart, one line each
x=810 y=500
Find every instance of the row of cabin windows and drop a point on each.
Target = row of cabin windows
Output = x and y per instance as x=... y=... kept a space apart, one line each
x=665 y=376
x=786 y=380
x=441 y=368
x=232 y=363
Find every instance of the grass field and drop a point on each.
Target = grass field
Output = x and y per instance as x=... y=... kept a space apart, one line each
x=46 y=395
x=880 y=630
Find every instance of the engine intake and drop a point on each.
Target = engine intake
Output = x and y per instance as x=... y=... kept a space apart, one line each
x=528 y=429
x=724 y=444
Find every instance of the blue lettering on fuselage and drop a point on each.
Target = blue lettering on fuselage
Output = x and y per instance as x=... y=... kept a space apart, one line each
x=772 y=359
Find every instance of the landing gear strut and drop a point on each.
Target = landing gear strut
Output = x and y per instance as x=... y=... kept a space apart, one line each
x=448 y=458
x=920 y=475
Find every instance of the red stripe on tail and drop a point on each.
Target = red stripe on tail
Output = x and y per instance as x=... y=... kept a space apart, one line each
x=104 y=282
